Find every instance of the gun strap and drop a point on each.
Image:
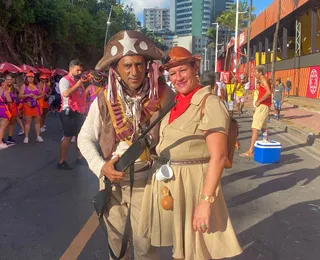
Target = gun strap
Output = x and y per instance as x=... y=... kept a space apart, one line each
x=127 y=229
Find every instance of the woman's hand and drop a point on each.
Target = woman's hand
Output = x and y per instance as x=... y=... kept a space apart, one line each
x=201 y=218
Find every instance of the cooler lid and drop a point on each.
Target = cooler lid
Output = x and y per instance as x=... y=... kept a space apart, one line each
x=268 y=144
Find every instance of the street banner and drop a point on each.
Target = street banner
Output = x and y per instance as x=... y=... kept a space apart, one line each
x=225 y=76
x=313 y=82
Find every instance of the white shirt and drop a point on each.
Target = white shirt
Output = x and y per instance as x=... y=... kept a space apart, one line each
x=89 y=138
x=220 y=85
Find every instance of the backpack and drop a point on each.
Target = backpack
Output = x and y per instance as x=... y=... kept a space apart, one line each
x=233 y=132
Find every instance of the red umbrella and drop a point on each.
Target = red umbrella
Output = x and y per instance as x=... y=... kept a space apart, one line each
x=6 y=66
x=45 y=71
x=60 y=72
x=27 y=68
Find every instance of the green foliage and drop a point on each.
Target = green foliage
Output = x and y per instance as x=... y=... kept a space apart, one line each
x=59 y=30
x=227 y=19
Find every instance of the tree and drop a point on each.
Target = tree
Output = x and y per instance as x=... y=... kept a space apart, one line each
x=275 y=40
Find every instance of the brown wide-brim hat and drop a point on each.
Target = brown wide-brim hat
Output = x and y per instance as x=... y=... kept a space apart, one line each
x=178 y=56
x=127 y=43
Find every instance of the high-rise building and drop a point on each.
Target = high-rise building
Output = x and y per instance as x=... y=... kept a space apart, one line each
x=219 y=6
x=156 y=19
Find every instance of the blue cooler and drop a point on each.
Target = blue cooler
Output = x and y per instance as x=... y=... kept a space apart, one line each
x=267 y=152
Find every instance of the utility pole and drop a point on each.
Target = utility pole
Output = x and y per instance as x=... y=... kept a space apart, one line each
x=236 y=37
x=107 y=30
x=216 y=50
x=248 y=40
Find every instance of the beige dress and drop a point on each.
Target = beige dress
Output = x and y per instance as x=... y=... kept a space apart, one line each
x=183 y=139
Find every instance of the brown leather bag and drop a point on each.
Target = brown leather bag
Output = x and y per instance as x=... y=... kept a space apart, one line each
x=233 y=132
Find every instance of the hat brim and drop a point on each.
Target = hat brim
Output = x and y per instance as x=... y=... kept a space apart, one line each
x=175 y=63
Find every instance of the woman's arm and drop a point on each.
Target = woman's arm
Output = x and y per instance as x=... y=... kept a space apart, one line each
x=7 y=96
x=217 y=147
x=21 y=92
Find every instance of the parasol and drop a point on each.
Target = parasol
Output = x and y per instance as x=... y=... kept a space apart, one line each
x=45 y=71
x=60 y=72
x=27 y=68
x=6 y=66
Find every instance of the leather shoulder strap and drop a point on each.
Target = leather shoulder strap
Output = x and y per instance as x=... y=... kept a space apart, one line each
x=203 y=104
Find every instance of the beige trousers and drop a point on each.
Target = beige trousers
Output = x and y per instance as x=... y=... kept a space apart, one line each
x=115 y=217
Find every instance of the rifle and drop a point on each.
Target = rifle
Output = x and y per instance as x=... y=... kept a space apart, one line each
x=125 y=161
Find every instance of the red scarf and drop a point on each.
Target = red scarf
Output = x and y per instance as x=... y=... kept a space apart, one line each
x=182 y=105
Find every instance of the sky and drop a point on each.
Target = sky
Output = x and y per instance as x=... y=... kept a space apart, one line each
x=139 y=5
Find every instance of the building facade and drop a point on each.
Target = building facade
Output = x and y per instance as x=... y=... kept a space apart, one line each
x=156 y=19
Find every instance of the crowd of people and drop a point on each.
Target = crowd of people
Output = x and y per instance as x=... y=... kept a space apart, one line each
x=187 y=210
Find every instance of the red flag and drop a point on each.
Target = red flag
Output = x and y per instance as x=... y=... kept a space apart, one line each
x=313 y=82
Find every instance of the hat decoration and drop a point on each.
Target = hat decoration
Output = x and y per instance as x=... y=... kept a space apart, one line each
x=127 y=43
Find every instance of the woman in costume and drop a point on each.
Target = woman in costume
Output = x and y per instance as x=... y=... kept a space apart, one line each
x=44 y=102
x=31 y=94
x=187 y=210
x=5 y=114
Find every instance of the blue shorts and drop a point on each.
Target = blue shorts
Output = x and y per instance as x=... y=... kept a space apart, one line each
x=277 y=105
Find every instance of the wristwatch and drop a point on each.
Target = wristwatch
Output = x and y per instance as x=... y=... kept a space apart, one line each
x=207 y=198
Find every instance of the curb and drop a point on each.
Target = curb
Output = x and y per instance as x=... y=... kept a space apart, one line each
x=302 y=134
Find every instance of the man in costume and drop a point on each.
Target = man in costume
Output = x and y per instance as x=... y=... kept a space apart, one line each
x=133 y=98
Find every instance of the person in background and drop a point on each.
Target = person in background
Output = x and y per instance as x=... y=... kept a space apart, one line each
x=72 y=111
x=221 y=87
x=5 y=115
x=261 y=113
x=13 y=92
x=207 y=79
x=19 y=83
x=278 y=97
x=230 y=88
x=288 y=86
x=240 y=94
x=31 y=94
x=97 y=84
x=46 y=90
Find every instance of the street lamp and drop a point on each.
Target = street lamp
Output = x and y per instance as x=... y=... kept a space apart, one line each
x=216 y=52
x=107 y=30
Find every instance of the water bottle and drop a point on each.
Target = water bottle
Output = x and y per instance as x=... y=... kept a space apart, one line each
x=264 y=136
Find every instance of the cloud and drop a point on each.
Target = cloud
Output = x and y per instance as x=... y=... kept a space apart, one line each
x=139 y=5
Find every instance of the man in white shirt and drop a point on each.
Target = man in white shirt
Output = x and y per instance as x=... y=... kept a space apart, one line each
x=116 y=117
x=221 y=87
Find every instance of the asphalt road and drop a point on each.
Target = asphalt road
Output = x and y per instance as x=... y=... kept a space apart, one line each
x=48 y=214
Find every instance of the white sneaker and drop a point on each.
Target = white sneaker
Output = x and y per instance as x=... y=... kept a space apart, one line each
x=39 y=139
x=73 y=139
x=21 y=132
x=26 y=140
x=3 y=146
x=44 y=126
x=42 y=130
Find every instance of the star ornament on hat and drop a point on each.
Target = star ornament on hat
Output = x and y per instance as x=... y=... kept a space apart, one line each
x=127 y=43
x=178 y=56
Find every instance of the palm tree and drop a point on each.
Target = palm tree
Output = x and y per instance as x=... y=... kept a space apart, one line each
x=275 y=40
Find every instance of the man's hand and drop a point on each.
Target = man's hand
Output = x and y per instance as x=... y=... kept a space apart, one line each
x=109 y=171
x=257 y=104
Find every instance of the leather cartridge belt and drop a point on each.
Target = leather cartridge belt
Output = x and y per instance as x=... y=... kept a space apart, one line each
x=183 y=162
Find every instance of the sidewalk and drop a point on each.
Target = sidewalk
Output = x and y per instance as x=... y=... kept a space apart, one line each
x=299 y=116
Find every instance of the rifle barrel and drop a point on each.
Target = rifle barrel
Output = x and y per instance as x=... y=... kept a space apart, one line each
x=163 y=113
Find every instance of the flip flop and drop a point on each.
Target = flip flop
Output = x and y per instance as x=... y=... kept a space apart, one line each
x=246 y=155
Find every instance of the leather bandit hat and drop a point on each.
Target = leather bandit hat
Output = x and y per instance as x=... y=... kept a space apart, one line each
x=126 y=43
x=178 y=56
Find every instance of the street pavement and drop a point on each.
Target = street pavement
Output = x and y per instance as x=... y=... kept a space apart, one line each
x=48 y=214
